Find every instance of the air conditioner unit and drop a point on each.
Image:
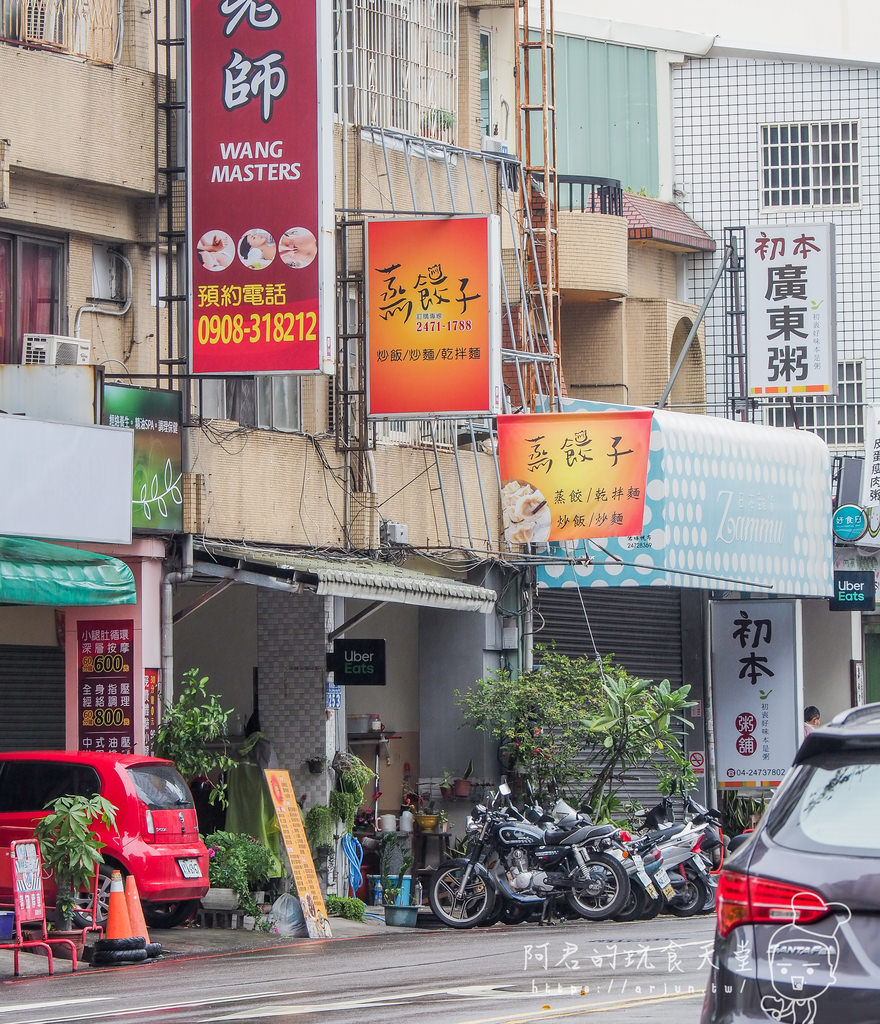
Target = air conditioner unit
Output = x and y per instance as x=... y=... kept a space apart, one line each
x=54 y=350
x=494 y=144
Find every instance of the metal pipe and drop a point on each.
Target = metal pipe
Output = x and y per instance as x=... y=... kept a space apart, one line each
x=728 y=252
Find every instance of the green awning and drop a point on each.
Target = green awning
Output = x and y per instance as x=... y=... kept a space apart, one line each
x=36 y=572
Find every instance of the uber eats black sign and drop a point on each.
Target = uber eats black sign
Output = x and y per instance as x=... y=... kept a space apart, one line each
x=853 y=591
x=358 y=662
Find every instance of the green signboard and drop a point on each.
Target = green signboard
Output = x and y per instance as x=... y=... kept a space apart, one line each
x=155 y=417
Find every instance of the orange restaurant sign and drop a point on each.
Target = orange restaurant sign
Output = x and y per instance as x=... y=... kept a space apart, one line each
x=566 y=476
x=433 y=317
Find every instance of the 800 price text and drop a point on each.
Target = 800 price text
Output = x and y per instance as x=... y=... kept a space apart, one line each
x=256 y=328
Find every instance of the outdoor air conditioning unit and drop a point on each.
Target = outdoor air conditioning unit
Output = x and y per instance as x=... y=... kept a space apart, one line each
x=54 y=350
x=494 y=144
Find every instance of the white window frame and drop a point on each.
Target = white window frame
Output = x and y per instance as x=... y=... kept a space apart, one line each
x=838 y=419
x=810 y=164
x=269 y=401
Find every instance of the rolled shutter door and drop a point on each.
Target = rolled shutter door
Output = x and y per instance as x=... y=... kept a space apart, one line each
x=31 y=698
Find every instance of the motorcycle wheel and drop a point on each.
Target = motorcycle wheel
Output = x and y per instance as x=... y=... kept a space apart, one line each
x=630 y=909
x=602 y=893
x=453 y=907
x=515 y=913
x=690 y=900
x=651 y=907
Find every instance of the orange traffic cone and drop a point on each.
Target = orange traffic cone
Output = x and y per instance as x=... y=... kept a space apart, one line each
x=118 y=923
x=135 y=912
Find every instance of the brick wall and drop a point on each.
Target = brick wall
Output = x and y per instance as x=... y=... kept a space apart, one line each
x=593 y=253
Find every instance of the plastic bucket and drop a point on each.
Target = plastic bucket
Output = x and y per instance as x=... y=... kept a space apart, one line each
x=388 y=822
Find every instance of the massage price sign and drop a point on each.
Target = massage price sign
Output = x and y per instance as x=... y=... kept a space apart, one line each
x=260 y=228
x=434 y=320
x=567 y=476
x=105 y=685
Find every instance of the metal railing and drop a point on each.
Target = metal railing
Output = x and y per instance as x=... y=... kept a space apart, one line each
x=584 y=193
x=87 y=28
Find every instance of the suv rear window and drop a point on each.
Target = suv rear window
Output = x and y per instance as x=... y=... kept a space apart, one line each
x=30 y=785
x=160 y=787
x=828 y=807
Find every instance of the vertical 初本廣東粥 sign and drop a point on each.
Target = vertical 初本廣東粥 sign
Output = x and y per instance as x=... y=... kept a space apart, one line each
x=260 y=230
x=790 y=309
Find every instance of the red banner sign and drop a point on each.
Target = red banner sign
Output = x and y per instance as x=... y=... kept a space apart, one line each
x=105 y=676
x=255 y=224
x=573 y=475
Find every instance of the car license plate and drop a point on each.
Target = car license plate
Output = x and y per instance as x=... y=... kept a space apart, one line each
x=189 y=867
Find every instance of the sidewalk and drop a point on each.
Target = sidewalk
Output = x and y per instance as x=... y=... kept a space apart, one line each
x=193 y=941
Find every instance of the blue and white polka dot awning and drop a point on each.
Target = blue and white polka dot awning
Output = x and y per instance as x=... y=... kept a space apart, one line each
x=728 y=505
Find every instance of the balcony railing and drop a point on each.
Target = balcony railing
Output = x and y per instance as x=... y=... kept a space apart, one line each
x=581 y=192
x=87 y=28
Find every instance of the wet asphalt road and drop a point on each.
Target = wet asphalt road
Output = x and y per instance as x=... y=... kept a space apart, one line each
x=640 y=972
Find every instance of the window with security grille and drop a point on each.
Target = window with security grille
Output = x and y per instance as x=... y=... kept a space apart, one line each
x=396 y=64
x=810 y=164
x=839 y=421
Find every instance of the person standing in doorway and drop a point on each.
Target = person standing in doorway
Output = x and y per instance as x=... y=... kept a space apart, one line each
x=812 y=719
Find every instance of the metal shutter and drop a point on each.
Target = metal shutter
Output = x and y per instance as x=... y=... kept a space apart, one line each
x=640 y=626
x=31 y=698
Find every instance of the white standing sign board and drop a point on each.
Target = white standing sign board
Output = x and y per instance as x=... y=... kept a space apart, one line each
x=755 y=690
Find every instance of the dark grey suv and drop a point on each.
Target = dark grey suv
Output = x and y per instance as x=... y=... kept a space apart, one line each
x=798 y=936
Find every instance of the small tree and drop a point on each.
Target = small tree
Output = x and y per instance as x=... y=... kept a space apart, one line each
x=193 y=732
x=580 y=722
x=70 y=847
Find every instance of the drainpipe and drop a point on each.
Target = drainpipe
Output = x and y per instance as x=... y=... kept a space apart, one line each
x=169 y=582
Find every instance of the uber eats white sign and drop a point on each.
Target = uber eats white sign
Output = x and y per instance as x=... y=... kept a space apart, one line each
x=358 y=662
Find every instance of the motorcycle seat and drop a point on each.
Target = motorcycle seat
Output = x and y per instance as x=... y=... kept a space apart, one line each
x=666 y=833
x=584 y=834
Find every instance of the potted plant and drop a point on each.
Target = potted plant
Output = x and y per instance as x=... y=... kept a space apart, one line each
x=395 y=861
x=320 y=826
x=447 y=784
x=463 y=785
x=443 y=821
x=71 y=849
x=193 y=734
x=316 y=764
x=238 y=863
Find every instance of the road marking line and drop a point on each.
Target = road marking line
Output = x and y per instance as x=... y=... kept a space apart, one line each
x=619 y=1004
x=53 y=1002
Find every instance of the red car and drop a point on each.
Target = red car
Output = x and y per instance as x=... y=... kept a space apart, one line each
x=157 y=831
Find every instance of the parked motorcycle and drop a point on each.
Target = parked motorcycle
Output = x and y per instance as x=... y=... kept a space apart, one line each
x=690 y=851
x=650 y=885
x=512 y=859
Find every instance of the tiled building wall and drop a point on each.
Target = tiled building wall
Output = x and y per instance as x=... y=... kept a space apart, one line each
x=291 y=654
x=719 y=105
